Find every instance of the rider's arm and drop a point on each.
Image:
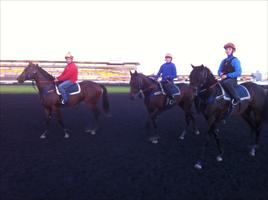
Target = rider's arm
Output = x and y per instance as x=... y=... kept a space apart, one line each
x=174 y=72
x=237 y=67
x=220 y=68
x=159 y=72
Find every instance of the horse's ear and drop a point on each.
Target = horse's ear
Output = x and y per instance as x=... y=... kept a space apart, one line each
x=202 y=66
x=130 y=73
x=135 y=72
x=192 y=65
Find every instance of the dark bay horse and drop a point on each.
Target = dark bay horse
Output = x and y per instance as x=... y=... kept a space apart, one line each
x=155 y=100
x=214 y=107
x=91 y=93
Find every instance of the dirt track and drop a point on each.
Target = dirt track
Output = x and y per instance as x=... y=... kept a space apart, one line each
x=119 y=162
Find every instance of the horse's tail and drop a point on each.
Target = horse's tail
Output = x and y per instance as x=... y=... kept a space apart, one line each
x=105 y=100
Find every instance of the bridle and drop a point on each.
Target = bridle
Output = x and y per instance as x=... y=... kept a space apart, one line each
x=141 y=90
x=204 y=82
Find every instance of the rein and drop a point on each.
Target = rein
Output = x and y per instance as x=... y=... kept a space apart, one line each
x=142 y=91
x=212 y=86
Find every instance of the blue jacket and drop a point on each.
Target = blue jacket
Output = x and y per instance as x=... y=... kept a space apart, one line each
x=167 y=71
x=236 y=65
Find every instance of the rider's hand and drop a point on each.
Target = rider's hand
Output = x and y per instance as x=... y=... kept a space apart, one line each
x=223 y=76
x=55 y=80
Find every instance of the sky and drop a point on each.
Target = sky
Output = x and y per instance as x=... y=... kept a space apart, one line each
x=194 y=32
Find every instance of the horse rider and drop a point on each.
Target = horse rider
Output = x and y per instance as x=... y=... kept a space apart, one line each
x=167 y=72
x=67 y=78
x=229 y=70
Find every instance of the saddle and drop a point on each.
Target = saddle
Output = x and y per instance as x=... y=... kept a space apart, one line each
x=242 y=91
x=170 y=90
x=72 y=90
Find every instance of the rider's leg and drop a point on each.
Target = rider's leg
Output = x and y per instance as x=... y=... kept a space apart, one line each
x=229 y=84
x=62 y=88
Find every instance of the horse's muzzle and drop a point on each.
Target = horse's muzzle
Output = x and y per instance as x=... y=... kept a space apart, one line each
x=20 y=79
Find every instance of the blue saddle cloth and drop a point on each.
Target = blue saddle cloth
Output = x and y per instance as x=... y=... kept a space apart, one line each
x=241 y=90
x=174 y=90
x=73 y=88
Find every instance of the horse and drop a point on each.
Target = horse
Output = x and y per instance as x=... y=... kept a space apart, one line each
x=155 y=101
x=212 y=102
x=90 y=92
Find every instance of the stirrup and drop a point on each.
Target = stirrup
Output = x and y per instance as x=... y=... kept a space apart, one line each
x=235 y=103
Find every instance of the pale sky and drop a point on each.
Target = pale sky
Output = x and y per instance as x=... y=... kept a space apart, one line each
x=137 y=31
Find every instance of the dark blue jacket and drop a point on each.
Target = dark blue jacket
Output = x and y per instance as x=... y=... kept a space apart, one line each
x=167 y=71
x=236 y=65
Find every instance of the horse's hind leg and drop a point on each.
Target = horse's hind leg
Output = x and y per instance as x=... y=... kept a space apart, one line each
x=48 y=119
x=255 y=123
x=255 y=127
x=96 y=114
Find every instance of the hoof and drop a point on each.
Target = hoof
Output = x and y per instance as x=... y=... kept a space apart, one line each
x=219 y=158
x=92 y=132
x=198 y=166
x=154 y=140
x=252 y=152
x=43 y=136
x=217 y=130
x=182 y=135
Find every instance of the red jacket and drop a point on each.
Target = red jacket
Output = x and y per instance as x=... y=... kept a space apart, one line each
x=70 y=73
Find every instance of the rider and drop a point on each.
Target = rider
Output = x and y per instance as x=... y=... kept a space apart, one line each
x=229 y=70
x=167 y=72
x=68 y=77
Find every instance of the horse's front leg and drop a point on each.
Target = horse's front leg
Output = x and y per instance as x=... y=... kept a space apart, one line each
x=152 y=118
x=211 y=131
x=48 y=114
x=59 y=119
x=188 y=118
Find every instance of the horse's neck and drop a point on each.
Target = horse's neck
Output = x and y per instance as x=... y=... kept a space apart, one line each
x=149 y=85
x=42 y=82
x=211 y=80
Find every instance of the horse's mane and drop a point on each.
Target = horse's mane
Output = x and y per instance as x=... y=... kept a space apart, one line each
x=149 y=77
x=45 y=73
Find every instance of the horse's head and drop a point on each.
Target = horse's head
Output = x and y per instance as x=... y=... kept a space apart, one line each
x=137 y=84
x=28 y=73
x=198 y=77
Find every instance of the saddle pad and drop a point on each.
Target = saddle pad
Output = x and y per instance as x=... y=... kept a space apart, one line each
x=73 y=89
x=241 y=90
x=175 y=90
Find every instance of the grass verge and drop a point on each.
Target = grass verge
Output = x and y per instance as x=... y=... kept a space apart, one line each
x=28 y=89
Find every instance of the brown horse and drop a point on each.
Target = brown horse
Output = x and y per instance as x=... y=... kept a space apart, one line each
x=155 y=101
x=90 y=93
x=215 y=106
